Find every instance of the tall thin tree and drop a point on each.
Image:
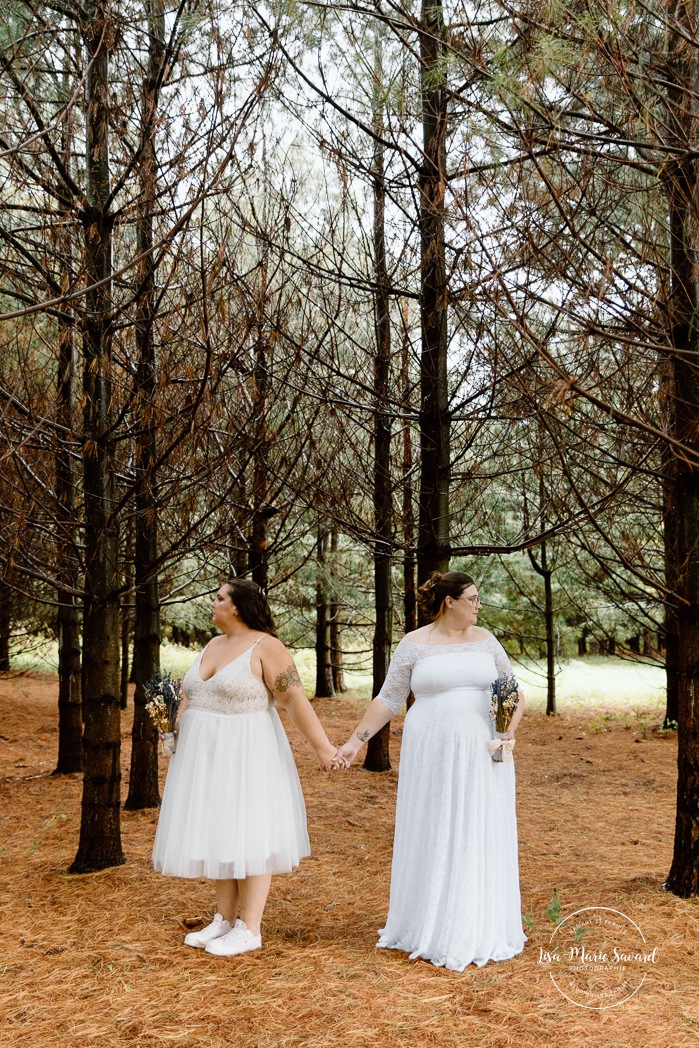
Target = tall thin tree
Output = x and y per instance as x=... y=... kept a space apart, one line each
x=377 y=755
x=435 y=450
x=143 y=777
x=100 y=835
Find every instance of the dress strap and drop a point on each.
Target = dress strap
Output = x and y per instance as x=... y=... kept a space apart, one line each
x=253 y=646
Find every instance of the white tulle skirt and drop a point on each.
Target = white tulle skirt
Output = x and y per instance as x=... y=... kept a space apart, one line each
x=232 y=804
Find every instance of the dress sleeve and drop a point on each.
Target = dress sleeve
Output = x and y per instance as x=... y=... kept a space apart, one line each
x=502 y=660
x=396 y=687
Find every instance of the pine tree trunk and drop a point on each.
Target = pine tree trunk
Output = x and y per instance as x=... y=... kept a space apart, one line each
x=336 y=656
x=672 y=668
x=258 y=555
x=5 y=626
x=683 y=878
x=70 y=711
x=545 y=570
x=258 y=560
x=126 y=621
x=433 y=541
x=100 y=836
x=672 y=652
x=143 y=775
x=409 y=591
x=143 y=772
x=70 y=721
x=70 y=726
x=324 y=672
x=550 y=638
x=238 y=541
x=378 y=749
x=409 y=563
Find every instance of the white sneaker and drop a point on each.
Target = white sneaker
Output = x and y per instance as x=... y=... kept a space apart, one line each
x=215 y=930
x=238 y=940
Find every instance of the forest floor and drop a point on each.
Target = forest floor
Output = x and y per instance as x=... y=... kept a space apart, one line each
x=98 y=960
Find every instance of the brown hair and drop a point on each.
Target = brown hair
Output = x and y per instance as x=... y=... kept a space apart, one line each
x=440 y=585
x=252 y=605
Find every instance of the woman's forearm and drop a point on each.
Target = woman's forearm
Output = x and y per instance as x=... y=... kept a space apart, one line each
x=304 y=717
x=376 y=716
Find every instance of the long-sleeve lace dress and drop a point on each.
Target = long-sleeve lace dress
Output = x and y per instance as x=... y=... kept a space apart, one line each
x=454 y=878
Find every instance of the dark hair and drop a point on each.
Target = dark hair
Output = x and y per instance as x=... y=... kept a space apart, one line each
x=439 y=585
x=252 y=605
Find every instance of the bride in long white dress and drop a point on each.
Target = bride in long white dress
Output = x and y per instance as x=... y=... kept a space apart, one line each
x=454 y=878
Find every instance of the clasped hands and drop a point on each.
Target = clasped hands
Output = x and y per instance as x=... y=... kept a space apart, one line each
x=342 y=758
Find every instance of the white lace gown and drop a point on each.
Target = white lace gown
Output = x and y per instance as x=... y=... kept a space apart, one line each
x=455 y=895
x=232 y=804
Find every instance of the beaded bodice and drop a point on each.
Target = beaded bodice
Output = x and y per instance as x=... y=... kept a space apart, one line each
x=232 y=690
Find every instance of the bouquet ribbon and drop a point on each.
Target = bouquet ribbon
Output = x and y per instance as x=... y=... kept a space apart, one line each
x=507 y=746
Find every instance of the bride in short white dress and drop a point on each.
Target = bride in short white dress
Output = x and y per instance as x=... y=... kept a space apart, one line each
x=232 y=805
x=454 y=896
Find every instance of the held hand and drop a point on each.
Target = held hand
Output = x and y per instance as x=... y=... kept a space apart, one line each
x=325 y=755
x=347 y=753
x=339 y=762
x=175 y=731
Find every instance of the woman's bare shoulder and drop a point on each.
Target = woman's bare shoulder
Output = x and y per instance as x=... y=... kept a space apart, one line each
x=272 y=647
x=481 y=633
x=418 y=636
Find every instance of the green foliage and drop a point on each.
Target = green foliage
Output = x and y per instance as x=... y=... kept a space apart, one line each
x=51 y=823
x=285 y=253
x=601 y=723
x=553 y=910
x=552 y=56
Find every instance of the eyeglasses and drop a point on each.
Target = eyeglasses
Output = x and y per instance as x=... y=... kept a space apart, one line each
x=475 y=601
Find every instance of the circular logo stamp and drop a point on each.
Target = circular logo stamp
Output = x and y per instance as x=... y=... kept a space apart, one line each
x=598 y=957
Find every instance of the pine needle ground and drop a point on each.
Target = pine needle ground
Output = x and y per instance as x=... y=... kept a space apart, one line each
x=98 y=960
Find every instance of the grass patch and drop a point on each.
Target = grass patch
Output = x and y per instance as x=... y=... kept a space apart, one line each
x=41 y=656
x=595 y=681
